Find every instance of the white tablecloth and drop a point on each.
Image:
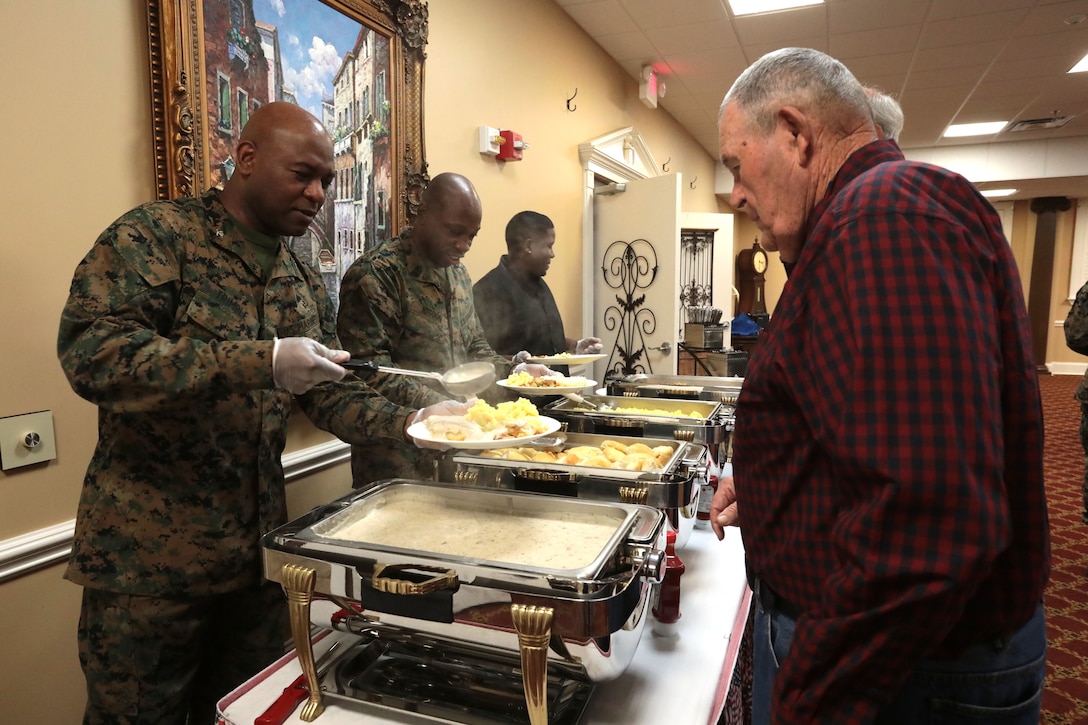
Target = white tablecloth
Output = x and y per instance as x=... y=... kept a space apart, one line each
x=681 y=679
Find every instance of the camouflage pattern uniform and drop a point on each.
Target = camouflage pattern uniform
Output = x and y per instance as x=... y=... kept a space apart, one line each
x=397 y=308
x=1076 y=337
x=169 y=330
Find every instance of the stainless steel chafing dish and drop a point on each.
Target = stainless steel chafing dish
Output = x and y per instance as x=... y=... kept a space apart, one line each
x=683 y=387
x=701 y=421
x=582 y=618
x=690 y=388
x=672 y=487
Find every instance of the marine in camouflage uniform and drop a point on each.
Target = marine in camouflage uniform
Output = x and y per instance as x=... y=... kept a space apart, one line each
x=399 y=308
x=1076 y=337
x=169 y=329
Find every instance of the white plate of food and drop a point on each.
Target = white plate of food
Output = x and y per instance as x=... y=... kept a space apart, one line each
x=565 y=359
x=526 y=384
x=439 y=433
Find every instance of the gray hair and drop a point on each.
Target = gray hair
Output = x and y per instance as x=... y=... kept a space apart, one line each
x=813 y=81
x=887 y=114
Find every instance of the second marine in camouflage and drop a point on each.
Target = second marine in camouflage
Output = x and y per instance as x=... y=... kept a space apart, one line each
x=408 y=303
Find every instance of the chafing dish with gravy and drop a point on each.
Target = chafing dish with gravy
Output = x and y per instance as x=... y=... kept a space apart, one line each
x=571 y=590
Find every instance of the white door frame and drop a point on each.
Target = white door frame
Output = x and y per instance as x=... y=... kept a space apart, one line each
x=619 y=157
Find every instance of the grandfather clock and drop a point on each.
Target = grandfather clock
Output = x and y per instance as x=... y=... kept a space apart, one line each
x=751 y=264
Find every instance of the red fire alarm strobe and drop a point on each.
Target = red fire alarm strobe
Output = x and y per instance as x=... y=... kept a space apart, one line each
x=511 y=147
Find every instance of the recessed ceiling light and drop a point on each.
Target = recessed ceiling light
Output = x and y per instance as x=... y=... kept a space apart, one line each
x=974 y=129
x=751 y=7
x=1081 y=66
x=990 y=193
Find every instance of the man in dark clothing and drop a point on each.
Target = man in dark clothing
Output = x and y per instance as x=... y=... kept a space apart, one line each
x=514 y=303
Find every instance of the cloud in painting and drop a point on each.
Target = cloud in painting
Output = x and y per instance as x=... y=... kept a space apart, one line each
x=324 y=58
x=313 y=40
x=311 y=80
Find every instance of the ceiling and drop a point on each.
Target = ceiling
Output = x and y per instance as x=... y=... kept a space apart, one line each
x=946 y=61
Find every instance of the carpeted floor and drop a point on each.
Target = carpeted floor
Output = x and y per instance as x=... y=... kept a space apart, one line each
x=1065 y=700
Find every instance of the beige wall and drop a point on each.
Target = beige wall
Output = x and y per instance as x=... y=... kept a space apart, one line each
x=516 y=70
x=77 y=151
x=76 y=145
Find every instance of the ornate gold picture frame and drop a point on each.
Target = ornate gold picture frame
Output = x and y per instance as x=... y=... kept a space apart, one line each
x=355 y=64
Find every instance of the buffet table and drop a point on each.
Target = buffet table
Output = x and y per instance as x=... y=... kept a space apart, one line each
x=682 y=679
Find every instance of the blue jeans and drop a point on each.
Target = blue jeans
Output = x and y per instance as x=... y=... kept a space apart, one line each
x=987 y=685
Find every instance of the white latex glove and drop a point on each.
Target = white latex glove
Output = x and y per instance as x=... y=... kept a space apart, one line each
x=535 y=369
x=446 y=407
x=299 y=363
x=521 y=356
x=588 y=346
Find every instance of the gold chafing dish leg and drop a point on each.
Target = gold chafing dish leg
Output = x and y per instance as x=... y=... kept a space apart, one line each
x=298 y=585
x=534 y=627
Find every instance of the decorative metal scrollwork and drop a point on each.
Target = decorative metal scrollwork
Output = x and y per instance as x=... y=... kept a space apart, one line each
x=696 y=269
x=629 y=267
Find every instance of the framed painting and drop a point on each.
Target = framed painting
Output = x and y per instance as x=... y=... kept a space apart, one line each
x=357 y=65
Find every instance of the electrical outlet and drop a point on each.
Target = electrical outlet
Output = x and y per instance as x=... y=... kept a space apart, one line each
x=27 y=439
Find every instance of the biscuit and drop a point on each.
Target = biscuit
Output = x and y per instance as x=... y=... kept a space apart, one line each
x=612 y=454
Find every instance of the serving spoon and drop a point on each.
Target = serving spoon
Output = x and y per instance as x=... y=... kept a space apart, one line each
x=465 y=379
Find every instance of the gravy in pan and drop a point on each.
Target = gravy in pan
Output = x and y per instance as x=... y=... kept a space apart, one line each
x=548 y=541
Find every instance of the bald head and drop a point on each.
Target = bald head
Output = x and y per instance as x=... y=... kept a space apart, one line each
x=447 y=188
x=283 y=167
x=283 y=119
x=448 y=220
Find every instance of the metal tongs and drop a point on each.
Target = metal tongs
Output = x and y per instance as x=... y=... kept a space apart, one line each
x=584 y=403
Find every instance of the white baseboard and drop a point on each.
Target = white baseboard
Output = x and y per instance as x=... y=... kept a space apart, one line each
x=1067 y=368
x=52 y=545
